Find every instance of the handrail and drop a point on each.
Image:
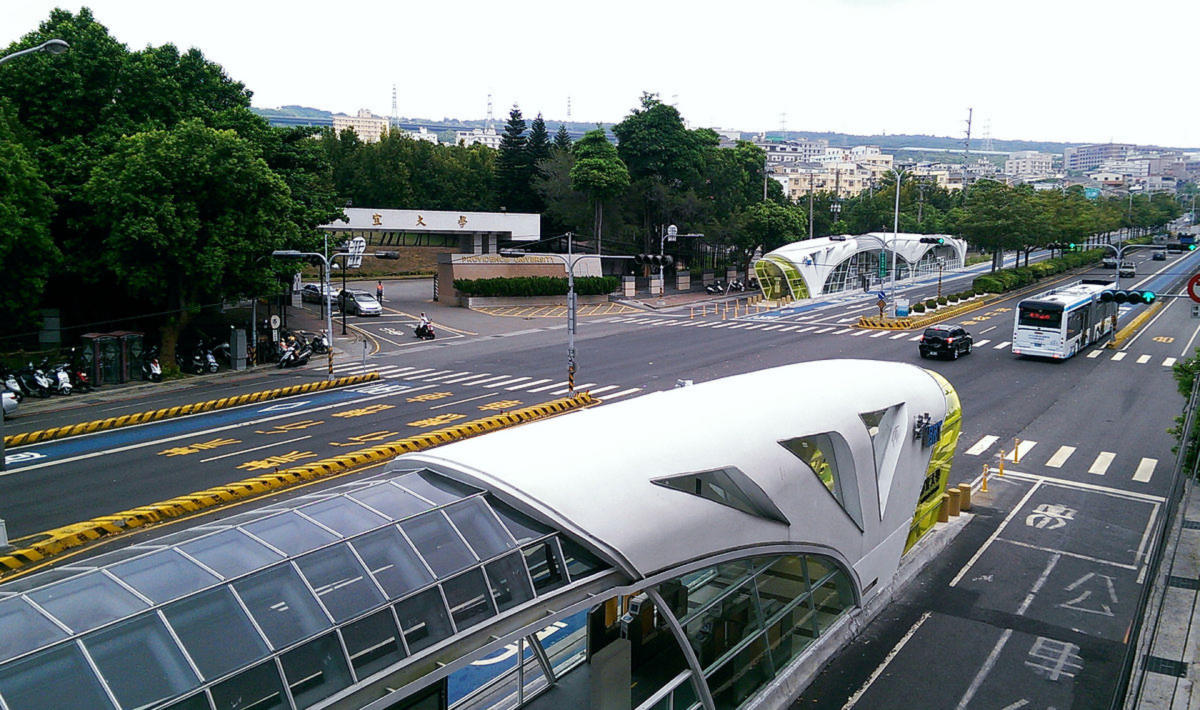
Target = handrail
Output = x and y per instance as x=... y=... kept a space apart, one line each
x=665 y=691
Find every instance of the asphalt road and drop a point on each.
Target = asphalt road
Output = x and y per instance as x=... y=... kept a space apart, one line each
x=1028 y=608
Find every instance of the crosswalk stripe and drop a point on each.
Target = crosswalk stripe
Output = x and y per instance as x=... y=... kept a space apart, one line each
x=722 y=325
x=789 y=329
x=859 y=332
x=1060 y=457
x=880 y=334
x=843 y=331
x=1117 y=357
x=981 y=343
x=1145 y=470
x=490 y=379
x=578 y=388
x=508 y=382
x=755 y=326
x=456 y=380
x=1143 y=360
x=422 y=371
x=847 y=320
x=524 y=385
x=546 y=387
x=1003 y=345
x=916 y=339
x=772 y=327
x=1021 y=451
x=443 y=377
x=1102 y=462
x=897 y=336
x=805 y=330
x=1169 y=362
x=824 y=330
x=1095 y=353
x=735 y=326
x=622 y=393
x=606 y=388
x=982 y=445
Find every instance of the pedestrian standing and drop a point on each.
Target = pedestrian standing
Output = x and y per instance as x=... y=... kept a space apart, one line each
x=379 y=291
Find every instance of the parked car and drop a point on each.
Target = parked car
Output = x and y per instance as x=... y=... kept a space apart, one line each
x=360 y=303
x=1159 y=256
x=10 y=403
x=948 y=340
x=1109 y=262
x=1127 y=269
x=311 y=293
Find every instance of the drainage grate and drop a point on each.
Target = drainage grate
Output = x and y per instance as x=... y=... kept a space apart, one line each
x=1155 y=664
x=1183 y=582
x=1191 y=524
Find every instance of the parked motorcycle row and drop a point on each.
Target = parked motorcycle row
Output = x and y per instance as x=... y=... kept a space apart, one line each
x=46 y=379
x=296 y=349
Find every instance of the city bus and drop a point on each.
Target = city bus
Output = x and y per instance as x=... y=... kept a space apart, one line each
x=1061 y=322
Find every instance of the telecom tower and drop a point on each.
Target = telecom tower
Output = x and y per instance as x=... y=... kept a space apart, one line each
x=783 y=124
x=987 y=136
x=967 y=153
x=395 y=108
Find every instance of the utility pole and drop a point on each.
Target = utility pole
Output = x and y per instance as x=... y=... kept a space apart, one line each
x=810 y=205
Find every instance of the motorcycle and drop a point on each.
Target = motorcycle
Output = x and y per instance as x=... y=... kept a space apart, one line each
x=60 y=378
x=424 y=331
x=295 y=356
x=11 y=384
x=319 y=344
x=714 y=288
x=77 y=372
x=737 y=285
x=151 y=369
x=34 y=381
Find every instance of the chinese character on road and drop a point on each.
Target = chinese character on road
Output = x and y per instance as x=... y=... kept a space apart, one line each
x=1050 y=516
x=501 y=405
x=438 y=420
x=292 y=426
x=275 y=461
x=364 y=438
x=1054 y=659
x=1085 y=602
x=372 y=409
x=200 y=446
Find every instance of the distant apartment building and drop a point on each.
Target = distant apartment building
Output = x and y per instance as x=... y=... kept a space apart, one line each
x=484 y=136
x=422 y=134
x=1027 y=164
x=842 y=179
x=793 y=151
x=949 y=177
x=367 y=125
x=1089 y=157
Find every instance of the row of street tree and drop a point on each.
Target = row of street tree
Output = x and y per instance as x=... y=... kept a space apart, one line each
x=140 y=184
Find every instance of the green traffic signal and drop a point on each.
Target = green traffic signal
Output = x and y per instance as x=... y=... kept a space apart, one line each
x=1148 y=297
x=1191 y=247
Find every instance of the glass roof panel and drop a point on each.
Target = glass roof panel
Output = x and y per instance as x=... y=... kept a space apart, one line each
x=483 y=530
x=257 y=688
x=437 y=542
x=469 y=599
x=140 y=661
x=580 y=562
x=509 y=581
x=86 y=602
x=391 y=501
x=231 y=552
x=340 y=581
x=195 y=620
x=283 y=607
x=24 y=628
x=344 y=515
x=163 y=575
x=431 y=486
x=290 y=532
x=33 y=581
x=392 y=561
x=423 y=619
x=108 y=558
x=522 y=527
x=373 y=643
x=23 y=684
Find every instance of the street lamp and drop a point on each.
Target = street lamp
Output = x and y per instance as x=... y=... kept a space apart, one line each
x=899 y=173
x=295 y=254
x=51 y=46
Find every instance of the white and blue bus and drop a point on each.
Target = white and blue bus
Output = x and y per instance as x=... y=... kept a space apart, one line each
x=1061 y=322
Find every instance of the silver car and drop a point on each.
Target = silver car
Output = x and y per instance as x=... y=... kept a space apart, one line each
x=1127 y=270
x=360 y=303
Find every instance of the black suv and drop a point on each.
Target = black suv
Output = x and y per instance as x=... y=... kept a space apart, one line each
x=949 y=340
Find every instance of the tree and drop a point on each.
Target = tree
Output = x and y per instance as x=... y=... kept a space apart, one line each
x=993 y=217
x=562 y=139
x=537 y=149
x=188 y=213
x=770 y=225
x=599 y=173
x=26 y=249
x=513 y=169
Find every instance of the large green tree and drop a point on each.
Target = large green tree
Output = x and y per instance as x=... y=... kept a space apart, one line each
x=599 y=173
x=188 y=214
x=514 y=172
x=26 y=249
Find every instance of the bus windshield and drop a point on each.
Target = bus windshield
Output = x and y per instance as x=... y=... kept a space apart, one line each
x=1040 y=316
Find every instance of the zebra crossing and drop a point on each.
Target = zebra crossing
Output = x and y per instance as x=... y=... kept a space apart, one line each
x=485 y=380
x=1100 y=464
x=841 y=329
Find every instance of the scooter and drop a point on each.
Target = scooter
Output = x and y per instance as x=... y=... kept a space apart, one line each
x=36 y=381
x=151 y=370
x=714 y=288
x=424 y=331
x=60 y=379
x=295 y=356
x=319 y=344
x=9 y=383
x=737 y=285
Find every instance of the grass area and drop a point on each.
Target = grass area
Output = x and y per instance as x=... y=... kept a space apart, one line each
x=978 y=259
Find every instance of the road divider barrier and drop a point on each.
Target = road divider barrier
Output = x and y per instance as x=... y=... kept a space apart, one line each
x=936 y=316
x=38 y=547
x=62 y=432
x=1133 y=326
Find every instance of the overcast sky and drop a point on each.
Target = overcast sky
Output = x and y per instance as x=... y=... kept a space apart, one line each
x=1080 y=71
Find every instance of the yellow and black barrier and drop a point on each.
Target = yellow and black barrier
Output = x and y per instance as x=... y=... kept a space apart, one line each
x=1133 y=326
x=38 y=547
x=936 y=316
x=62 y=432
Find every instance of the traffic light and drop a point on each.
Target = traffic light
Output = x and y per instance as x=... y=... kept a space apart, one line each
x=933 y=240
x=1191 y=247
x=1065 y=246
x=654 y=259
x=1133 y=296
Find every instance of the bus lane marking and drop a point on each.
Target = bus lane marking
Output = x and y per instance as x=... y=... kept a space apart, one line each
x=257 y=448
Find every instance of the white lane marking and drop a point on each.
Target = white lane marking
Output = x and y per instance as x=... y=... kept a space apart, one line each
x=981 y=343
x=916 y=339
x=1145 y=470
x=847 y=320
x=463 y=401
x=1060 y=457
x=442 y=377
x=805 y=330
x=1022 y=449
x=982 y=445
x=1118 y=356
x=256 y=448
x=1102 y=462
x=1095 y=353
x=880 y=334
x=860 y=332
x=528 y=384
x=886 y=660
x=508 y=382
x=983 y=671
x=1001 y=346
x=1143 y=360
x=1169 y=362
x=824 y=330
x=578 y=388
x=546 y=387
x=490 y=379
x=598 y=390
x=622 y=393
x=1017 y=509
x=897 y=336
x=1037 y=586
x=463 y=379
x=843 y=331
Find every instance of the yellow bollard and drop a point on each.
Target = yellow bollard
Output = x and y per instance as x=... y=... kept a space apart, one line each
x=1016 y=450
x=953 y=502
x=726 y=313
x=983 y=486
x=1003 y=453
x=944 y=509
x=964 y=496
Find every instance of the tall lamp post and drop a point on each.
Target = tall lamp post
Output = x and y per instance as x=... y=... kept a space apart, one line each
x=295 y=254
x=51 y=46
x=899 y=173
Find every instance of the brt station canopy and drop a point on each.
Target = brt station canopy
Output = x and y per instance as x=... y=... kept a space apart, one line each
x=825 y=265
x=567 y=562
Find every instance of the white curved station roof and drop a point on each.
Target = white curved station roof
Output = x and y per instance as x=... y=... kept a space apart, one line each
x=590 y=473
x=817 y=258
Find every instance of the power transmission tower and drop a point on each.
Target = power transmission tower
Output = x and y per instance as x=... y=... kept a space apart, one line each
x=987 y=136
x=490 y=118
x=967 y=153
x=395 y=108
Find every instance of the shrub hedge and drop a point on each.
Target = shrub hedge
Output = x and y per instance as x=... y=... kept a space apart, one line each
x=523 y=286
x=1017 y=277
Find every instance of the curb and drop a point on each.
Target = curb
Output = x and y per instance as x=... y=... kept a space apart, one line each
x=52 y=542
x=910 y=322
x=62 y=432
x=1133 y=326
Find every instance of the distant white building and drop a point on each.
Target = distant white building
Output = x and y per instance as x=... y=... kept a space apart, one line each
x=485 y=136
x=1029 y=164
x=422 y=134
x=369 y=127
x=793 y=151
